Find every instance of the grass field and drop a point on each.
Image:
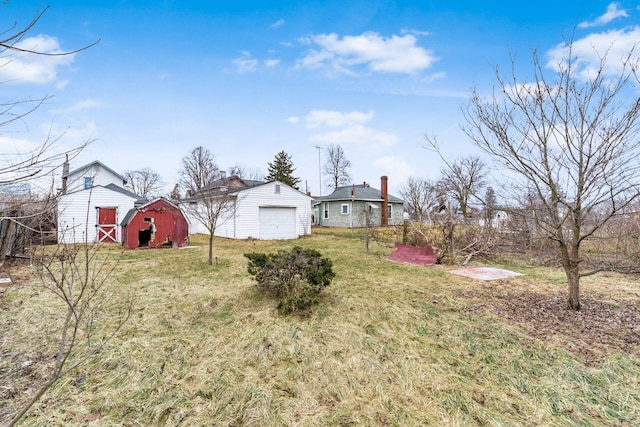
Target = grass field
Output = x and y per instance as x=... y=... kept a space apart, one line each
x=390 y=344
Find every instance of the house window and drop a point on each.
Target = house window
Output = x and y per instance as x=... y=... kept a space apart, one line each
x=326 y=210
x=88 y=182
x=389 y=211
x=345 y=209
x=277 y=188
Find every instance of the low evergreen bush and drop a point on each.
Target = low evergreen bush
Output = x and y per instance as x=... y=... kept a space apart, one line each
x=294 y=277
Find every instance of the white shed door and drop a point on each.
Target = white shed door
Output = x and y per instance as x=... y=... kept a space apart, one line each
x=277 y=223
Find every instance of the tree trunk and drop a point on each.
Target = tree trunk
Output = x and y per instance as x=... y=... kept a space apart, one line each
x=571 y=268
x=7 y=239
x=574 y=290
x=210 y=261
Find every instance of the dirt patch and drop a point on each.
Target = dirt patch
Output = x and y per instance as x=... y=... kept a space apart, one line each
x=601 y=327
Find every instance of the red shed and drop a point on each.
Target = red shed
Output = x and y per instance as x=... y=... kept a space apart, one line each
x=158 y=223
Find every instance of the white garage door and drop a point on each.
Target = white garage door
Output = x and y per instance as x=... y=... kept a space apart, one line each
x=277 y=223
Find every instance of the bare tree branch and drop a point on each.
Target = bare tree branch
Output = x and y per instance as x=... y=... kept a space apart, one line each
x=336 y=167
x=570 y=141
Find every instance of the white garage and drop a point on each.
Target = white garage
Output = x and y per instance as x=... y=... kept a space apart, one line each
x=261 y=210
x=277 y=223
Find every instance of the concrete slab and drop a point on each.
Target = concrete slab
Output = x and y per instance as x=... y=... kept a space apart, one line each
x=485 y=273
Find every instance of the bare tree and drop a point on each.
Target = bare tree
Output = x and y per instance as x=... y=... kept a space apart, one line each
x=198 y=170
x=175 y=193
x=211 y=200
x=144 y=182
x=79 y=278
x=71 y=272
x=36 y=165
x=336 y=167
x=571 y=140
x=47 y=156
x=420 y=196
x=244 y=172
x=463 y=179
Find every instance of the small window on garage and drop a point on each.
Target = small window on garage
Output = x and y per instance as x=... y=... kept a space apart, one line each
x=277 y=188
x=88 y=182
x=326 y=210
x=345 y=209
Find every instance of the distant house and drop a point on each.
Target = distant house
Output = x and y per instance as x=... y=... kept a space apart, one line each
x=499 y=219
x=158 y=223
x=93 y=203
x=257 y=209
x=12 y=195
x=347 y=207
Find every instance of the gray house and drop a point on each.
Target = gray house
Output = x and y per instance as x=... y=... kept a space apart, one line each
x=348 y=206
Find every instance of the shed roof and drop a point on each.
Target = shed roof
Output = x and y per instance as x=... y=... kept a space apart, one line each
x=139 y=199
x=132 y=212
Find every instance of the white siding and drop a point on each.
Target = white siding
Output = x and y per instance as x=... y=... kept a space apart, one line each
x=243 y=222
x=100 y=175
x=77 y=213
x=249 y=203
x=197 y=227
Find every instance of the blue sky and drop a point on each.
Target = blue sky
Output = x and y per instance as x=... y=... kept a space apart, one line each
x=247 y=79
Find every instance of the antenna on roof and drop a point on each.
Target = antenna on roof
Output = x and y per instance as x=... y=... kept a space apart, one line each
x=319 y=169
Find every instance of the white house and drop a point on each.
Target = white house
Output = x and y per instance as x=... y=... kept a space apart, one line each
x=93 y=203
x=256 y=209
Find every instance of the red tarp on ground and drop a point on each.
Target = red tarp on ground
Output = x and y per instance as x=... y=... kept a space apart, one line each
x=413 y=255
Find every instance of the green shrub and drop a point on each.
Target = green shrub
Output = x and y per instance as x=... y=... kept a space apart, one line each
x=294 y=277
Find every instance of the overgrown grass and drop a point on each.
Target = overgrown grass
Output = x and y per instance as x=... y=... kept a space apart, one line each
x=389 y=344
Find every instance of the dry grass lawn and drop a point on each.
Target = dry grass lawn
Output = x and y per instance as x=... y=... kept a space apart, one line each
x=390 y=344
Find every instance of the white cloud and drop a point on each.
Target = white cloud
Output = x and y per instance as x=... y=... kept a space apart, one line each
x=83 y=105
x=271 y=62
x=61 y=84
x=415 y=32
x=612 y=13
x=23 y=67
x=335 y=119
x=371 y=51
x=15 y=146
x=279 y=23
x=72 y=137
x=396 y=167
x=588 y=51
x=358 y=135
x=293 y=119
x=435 y=76
x=246 y=64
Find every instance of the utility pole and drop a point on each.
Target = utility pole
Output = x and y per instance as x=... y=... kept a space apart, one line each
x=319 y=169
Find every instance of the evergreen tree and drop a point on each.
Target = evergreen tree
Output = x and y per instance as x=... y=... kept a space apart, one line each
x=281 y=169
x=489 y=204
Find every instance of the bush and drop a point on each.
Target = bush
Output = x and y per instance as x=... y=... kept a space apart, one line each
x=294 y=277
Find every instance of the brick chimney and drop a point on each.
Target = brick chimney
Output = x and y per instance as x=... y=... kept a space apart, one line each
x=384 y=193
x=65 y=172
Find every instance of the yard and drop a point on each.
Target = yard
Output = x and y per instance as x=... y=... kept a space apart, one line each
x=390 y=344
